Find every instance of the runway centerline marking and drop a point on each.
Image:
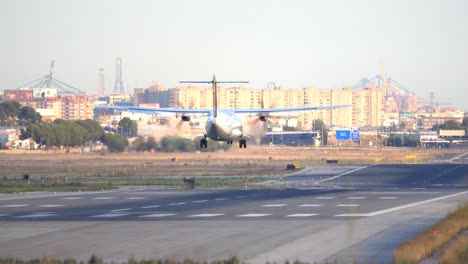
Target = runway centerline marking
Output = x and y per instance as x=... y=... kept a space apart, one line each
x=220 y=199
x=200 y=201
x=252 y=215
x=157 y=215
x=13 y=205
x=273 y=205
x=123 y=209
x=388 y=198
x=72 y=198
x=356 y=198
x=205 y=215
x=38 y=214
x=341 y=174
x=310 y=205
x=135 y=198
x=50 y=205
x=150 y=206
x=325 y=197
x=300 y=215
x=4 y=215
x=109 y=215
x=172 y=204
x=103 y=198
x=240 y=196
x=401 y=207
x=347 y=205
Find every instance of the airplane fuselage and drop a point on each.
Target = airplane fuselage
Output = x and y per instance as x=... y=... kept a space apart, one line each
x=224 y=127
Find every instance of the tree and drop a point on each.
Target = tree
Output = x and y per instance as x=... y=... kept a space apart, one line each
x=127 y=127
x=114 y=143
x=9 y=111
x=319 y=126
x=28 y=116
x=451 y=125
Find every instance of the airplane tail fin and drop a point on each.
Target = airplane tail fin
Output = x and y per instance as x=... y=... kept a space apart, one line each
x=214 y=82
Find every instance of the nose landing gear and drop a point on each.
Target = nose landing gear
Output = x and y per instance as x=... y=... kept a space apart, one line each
x=204 y=142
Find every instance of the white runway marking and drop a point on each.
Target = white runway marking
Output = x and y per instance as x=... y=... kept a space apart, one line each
x=38 y=214
x=300 y=215
x=120 y=210
x=14 y=205
x=241 y=196
x=220 y=199
x=351 y=215
x=109 y=215
x=50 y=205
x=205 y=215
x=176 y=203
x=103 y=198
x=273 y=205
x=356 y=198
x=388 y=198
x=150 y=206
x=157 y=215
x=135 y=198
x=252 y=215
x=200 y=201
x=310 y=205
x=3 y=215
x=325 y=197
x=413 y=204
x=72 y=198
x=347 y=205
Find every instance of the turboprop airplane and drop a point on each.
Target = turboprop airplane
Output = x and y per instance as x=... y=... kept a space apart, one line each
x=222 y=124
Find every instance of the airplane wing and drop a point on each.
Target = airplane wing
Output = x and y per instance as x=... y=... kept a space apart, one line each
x=159 y=111
x=268 y=111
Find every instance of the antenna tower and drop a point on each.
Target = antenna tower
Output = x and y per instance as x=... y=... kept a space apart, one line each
x=102 y=88
x=118 y=86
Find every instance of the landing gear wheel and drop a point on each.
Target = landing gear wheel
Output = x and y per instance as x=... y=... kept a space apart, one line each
x=242 y=143
x=204 y=143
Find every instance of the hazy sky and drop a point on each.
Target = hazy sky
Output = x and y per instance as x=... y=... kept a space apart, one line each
x=324 y=44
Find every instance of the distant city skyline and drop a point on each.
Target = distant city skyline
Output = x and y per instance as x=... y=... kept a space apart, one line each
x=323 y=44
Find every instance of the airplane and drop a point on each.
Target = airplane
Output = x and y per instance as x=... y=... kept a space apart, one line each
x=222 y=124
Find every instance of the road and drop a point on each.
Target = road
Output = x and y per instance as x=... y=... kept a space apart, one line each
x=341 y=213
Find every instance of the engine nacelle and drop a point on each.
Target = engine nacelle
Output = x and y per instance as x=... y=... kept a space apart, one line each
x=263 y=118
x=185 y=118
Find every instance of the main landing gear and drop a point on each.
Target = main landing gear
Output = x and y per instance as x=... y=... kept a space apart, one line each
x=242 y=143
x=204 y=142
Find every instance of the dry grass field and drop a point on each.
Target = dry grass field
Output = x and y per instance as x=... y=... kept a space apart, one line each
x=258 y=161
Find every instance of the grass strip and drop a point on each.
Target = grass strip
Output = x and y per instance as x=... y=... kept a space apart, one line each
x=426 y=243
x=456 y=253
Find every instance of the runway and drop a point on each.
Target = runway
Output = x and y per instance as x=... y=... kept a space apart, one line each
x=332 y=212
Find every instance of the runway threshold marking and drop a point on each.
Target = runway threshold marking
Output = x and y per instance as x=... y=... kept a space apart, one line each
x=401 y=207
x=300 y=215
x=110 y=215
x=252 y=215
x=310 y=205
x=157 y=215
x=14 y=205
x=348 y=205
x=150 y=206
x=205 y=215
x=273 y=205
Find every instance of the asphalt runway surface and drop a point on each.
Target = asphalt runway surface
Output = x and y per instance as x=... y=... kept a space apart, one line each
x=341 y=213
